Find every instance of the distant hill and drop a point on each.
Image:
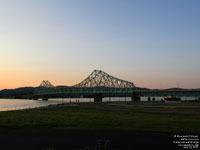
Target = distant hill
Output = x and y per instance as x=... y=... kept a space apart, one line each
x=62 y=86
x=140 y=88
x=175 y=89
x=18 y=91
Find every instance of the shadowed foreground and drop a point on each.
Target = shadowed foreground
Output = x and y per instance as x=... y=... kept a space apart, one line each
x=37 y=139
x=77 y=126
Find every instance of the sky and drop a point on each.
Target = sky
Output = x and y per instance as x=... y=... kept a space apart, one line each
x=152 y=43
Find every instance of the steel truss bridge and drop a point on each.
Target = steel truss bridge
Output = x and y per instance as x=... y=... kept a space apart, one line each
x=100 y=84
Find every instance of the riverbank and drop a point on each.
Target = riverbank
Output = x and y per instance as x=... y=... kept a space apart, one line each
x=102 y=116
x=20 y=104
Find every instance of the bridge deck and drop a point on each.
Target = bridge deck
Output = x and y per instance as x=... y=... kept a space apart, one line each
x=107 y=90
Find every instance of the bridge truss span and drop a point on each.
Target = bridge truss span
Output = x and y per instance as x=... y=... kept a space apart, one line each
x=97 y=82
x=99 y=78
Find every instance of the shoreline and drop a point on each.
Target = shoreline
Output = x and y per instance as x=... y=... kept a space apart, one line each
x=43 y=107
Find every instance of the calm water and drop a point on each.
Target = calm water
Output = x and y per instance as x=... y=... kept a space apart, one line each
x=17 y=104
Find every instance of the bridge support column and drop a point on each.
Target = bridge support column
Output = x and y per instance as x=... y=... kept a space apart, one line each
x=35 y=98
x=135 y=96
x=98 y=97
x=45 y=98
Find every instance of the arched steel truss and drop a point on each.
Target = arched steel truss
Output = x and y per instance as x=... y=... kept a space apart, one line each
x=46 y=83
x=99 y=78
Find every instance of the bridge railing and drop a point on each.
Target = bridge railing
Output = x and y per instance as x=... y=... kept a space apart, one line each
x=141 y=93
x=52 y=90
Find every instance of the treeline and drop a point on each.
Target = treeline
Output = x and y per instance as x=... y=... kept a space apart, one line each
x=15 y=93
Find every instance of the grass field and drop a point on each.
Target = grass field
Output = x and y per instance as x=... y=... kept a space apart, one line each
x=117 y=116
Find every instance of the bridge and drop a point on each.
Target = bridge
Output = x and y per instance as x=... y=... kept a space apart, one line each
x=99 y=84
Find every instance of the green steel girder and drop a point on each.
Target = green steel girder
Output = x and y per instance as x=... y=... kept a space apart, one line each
x=174 y=93
x=55 y=90
x=141 y=93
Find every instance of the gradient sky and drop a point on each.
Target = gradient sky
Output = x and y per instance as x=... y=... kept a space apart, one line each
x=153 y=43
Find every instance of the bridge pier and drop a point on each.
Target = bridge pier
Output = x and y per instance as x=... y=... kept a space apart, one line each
x=45 y=98
x=135 y=96
x=35 y=98
x=98 y=97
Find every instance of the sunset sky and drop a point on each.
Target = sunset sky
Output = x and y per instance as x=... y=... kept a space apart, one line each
x=153 y=43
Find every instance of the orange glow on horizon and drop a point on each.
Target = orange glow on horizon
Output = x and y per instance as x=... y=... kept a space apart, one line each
x=16 y=78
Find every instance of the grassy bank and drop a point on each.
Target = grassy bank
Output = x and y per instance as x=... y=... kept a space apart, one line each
x=96 y=118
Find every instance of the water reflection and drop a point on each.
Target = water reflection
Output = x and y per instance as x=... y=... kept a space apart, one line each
x=17 y=104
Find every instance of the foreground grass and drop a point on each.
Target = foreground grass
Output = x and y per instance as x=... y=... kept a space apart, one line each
x=75 y=117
